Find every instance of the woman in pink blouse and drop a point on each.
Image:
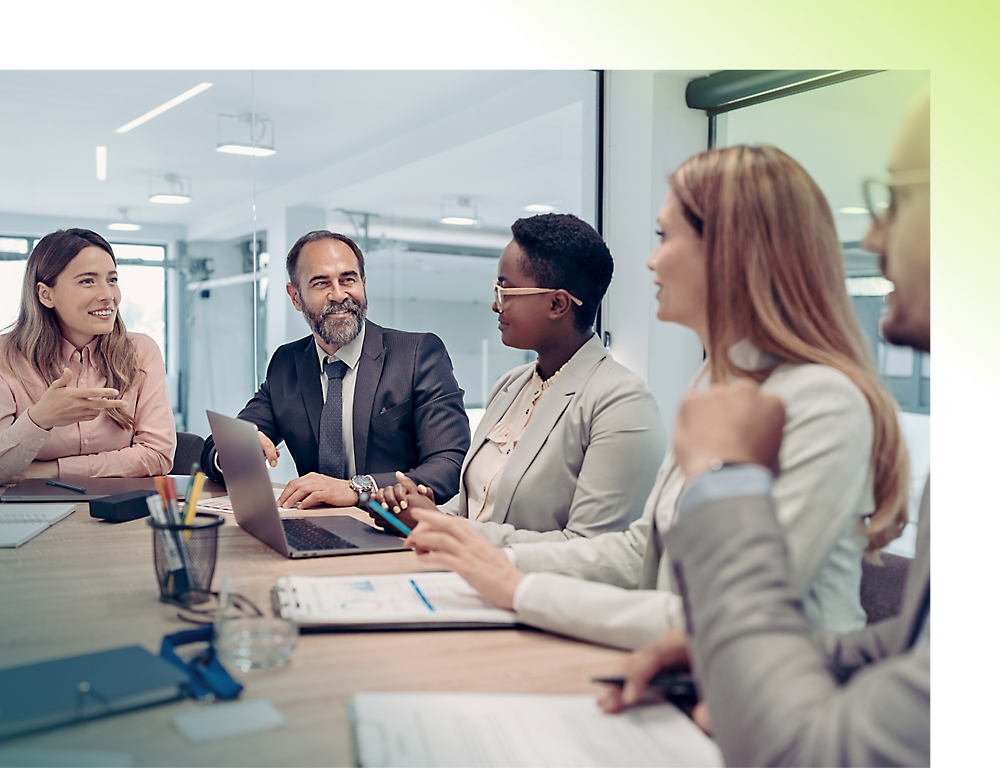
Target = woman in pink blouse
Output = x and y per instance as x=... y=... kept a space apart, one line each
x=78 y=395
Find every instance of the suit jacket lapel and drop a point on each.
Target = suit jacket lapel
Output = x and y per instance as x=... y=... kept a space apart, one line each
x=308 y=373
x=543 y=420
x=365 y=384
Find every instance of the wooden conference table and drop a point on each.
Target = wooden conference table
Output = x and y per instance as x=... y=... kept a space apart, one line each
x=85 y=585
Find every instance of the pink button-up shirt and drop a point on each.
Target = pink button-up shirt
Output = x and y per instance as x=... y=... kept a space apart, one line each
x=97 y=448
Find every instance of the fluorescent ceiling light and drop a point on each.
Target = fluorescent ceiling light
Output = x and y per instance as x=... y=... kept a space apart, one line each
x=171 y=199
x=124 y=226
x=461 y=220
x=245 y=149
x=102 y=163
x=163 y=108
x=538 y=208
x=853 y=209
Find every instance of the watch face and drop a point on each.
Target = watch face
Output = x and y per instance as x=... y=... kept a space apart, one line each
x=362 y=483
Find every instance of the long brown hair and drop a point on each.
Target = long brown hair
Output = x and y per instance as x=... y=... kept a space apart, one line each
x=776 y=277
x=36 y=336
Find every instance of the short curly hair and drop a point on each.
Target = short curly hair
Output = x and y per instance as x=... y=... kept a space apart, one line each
x=565 y=252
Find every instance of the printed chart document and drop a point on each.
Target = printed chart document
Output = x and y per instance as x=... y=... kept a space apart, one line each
x=395 y=601
x=23 y=522
x=500 y=729
x=223 y=504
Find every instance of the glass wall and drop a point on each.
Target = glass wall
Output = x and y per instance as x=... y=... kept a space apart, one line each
x=426 y=170
x=842 y=134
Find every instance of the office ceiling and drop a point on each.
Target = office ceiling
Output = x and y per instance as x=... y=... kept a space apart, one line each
x=53 y=122
x=390 y=143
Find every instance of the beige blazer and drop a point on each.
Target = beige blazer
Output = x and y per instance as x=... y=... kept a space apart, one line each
x=777 y=694
x=586 y=461
x=618 y=589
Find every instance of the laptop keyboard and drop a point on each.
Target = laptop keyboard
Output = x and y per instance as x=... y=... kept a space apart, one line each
x=306 y=536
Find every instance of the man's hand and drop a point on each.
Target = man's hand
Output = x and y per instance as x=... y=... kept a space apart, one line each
x=736 y=424
x=61 y=405
x=45 y=469
x=314 y=488
x=270 y=452
x=449 y=542
x=400 y=498
x=668 y=652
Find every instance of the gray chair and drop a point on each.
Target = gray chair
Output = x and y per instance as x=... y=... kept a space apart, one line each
x=882 y=586
x=189 y=447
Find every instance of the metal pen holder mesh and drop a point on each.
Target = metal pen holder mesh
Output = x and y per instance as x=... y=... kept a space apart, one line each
x=184 y=558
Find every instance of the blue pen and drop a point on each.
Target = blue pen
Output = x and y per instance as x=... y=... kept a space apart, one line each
x=374 y=506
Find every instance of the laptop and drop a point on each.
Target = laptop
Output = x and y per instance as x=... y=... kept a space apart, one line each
x=256 y=510
x=35 y=489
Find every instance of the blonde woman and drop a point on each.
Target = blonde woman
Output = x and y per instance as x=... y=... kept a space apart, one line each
x=78 y=395
x=749 y=259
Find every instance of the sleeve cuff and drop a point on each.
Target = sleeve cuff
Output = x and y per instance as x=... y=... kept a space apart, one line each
x=726 y=483
x=522 y=589
x=511 y=556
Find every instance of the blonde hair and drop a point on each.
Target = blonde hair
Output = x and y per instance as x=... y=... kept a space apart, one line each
x=776 y=277
x=36 y=336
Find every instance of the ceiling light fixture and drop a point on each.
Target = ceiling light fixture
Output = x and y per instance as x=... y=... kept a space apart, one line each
x=539 y=208
x=246 y=134
x=170 y=189
x=461 y=211
x=163 y=107
x=126 y=224
x=852 y=209
x=102 y=163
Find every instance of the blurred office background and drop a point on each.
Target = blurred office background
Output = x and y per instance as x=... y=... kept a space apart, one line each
x=426 y=171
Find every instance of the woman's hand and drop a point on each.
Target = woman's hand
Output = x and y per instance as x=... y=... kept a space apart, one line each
x=400 y=498
x=449 y=542
x=668 y=652
x=61 y=404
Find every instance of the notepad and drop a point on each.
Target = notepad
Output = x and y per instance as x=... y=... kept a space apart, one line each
x=395 y=601
x=23 y=522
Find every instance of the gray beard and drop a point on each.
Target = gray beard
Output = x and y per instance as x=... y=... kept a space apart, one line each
x=335 y=331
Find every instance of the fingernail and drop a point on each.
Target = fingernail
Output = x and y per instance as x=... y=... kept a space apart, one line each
x=403 y=504
x=421 y=488
x=385 y=506
x=395 y=510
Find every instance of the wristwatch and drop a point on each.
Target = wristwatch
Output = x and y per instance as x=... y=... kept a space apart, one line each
x=363 y=484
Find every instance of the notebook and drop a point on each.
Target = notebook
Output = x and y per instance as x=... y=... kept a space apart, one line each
x=256 y=510
x=23 y=522
x=62 y=691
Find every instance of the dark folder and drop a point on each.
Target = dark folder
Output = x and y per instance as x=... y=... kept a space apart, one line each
x=64 y=691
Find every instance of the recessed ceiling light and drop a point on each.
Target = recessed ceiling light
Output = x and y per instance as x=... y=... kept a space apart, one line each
x=246 y=149
x=461 y=220
x=124 y=226
x=170 y=189
x=102 y=163
x=163 y=108
x=538 y=208
x=853 y=209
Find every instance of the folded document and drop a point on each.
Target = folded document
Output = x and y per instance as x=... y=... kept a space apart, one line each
x=396 y=601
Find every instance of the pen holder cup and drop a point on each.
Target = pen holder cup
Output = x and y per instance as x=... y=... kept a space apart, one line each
x=184 y=558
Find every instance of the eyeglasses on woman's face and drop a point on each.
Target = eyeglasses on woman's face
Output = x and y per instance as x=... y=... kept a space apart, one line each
x=499 y=292
x=880 y=195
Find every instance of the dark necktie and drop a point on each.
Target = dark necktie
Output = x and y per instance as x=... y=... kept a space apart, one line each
x=332 y=457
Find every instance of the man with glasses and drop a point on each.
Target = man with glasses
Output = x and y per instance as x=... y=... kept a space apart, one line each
x=354 y=402
x=777 y=694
